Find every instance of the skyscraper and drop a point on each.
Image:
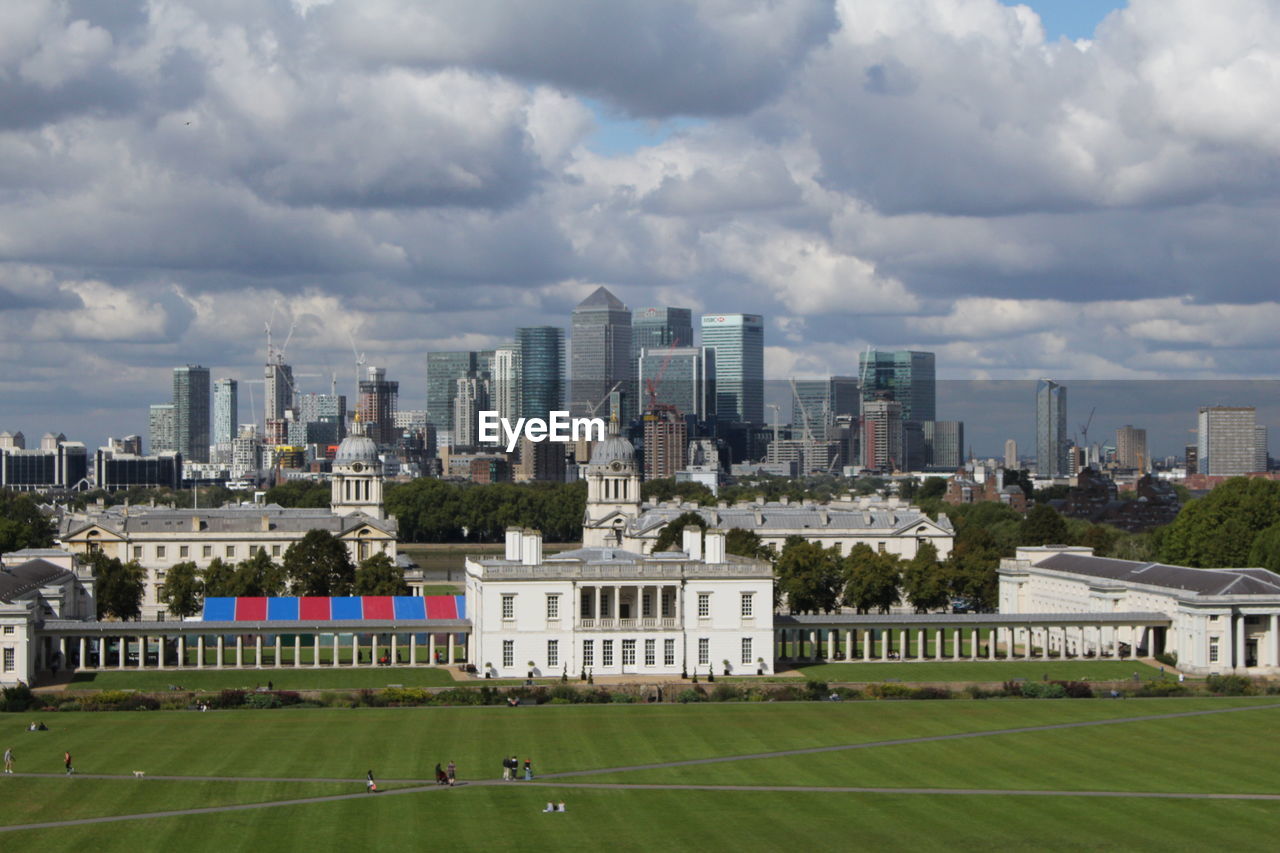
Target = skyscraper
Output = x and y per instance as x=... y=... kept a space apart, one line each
x=278 y=391
x=1227 y=440
x=541 y=370
x=444 y=369
x=1010 y=454
x=226 y=410
x=1051 y=430
x=160 y=435
x=1131 y=448
x=907 y=376
x=822 y=401
x=738 y=341
x=883 y=435
x=666 y=440
x=660 y=328
x=943 y=444
x=504 y=387
x=379 y=399
x=600 y=355
x=471 y=397
x=684 y=377
x=191 y=412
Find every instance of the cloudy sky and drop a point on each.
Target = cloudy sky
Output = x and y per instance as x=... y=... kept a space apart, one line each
x=1087 y=194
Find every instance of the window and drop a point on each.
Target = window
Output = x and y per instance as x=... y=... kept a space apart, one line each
x=8 y=629
x=137 y=552
x=160 y=617
x=8 y=660
x=588 y=653
x=160 y=552
x=159 y=574
x=553 y=653
x=184 y=551
x=206 y=551
x=275 y=550
x=584 y=610
x=650 y=652
x=746 y=650
x=668 y=652
x=606 y=652
x=704 y=650
x=553 y=606
x=748 y=599
x=646 y=605
x=509 y=606
x=508 y=653
x=628 y=652
x=1213 y=650
x=880 y=547
x=231 y=551
x=704 y=605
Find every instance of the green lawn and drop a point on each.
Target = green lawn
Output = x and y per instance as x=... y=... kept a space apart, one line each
x=1033 y=670
x=1230 y=752
x=303 y=678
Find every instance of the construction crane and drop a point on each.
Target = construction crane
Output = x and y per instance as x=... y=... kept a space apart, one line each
x=776 y=410
x=359 y=358
x=1084 y=431
x=651 y=385
x=591 y=410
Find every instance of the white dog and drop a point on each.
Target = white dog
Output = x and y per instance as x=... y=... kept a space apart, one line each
x=138 y=774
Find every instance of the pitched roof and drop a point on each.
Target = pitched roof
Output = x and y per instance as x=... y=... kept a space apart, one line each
x=1199 y=581
x=24 y=577
x=601 y=300
x=820 y=518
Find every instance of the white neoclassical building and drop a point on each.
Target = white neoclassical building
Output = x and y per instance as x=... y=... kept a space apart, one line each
x=35 y=585
x=1219 y=620
x=608 y=611
x=616 y=518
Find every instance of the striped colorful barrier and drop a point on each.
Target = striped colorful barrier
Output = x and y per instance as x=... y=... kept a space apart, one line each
x=334 y=608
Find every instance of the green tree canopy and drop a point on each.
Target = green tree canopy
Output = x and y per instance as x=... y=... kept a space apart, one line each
x=318 y=564
x=809 y=576
x=666 y=488
x=183 y=590
x=1218 y=530
x=924 y=581
x=871 y=580
x=218 y=579
x=671 y=537
x=747 y=543
x=312 y=494
x=971 y=569
x=118 y=586
x=258 y=575
x=22 y=524
x=1043 y=526
x=1265 y=550
x=430 y=510
x=379 y=575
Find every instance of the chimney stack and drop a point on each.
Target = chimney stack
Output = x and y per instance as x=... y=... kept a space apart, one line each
x=715 y=547
x=691 y=540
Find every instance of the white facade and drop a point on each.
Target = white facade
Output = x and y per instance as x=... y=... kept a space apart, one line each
x=1221 y=620
x=37 y=584
x=613 y=612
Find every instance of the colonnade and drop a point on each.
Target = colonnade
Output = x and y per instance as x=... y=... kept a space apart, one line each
x=645 y=606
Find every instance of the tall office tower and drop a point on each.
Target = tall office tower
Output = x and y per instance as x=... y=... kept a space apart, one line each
x=470 y=398
x=661 y=328
x=1010 y=454
x=504 y=386
x=1261 y=460
x=943 y=444
x=540 y=460
x=738 y=341
x=541 y=370
x=379 y=399
x=683 y=377
x=278 y=390
x=1051 y=429
x=1190 y=455
x=160 y=434
x=821 y=401
x=444 y=369
x=323 y=417
x=600 y=354
x=226 y=410
x=666 y=442
x=246 y=452
x=907 y=376
x=1131 y=448
x=1226 y=440
x=883 y=437
x=191 y=412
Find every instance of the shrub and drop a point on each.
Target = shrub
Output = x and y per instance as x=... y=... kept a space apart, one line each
x=401 y=696
x=563 y=693
x=228 y=699
x=1012 y=688
x=889 y=691
x=978 y=692
x=816 y=691
x=1162 y=688
x=261 y=701
x=370 y=698
x=622 y=699
x=289 y=697
x=847 y=693
x=16 y=698
x=784 y=693
x=1167 y=658
x=725 y=693
x=459 y=696
x=692 y=694
x=1076 y=689
x=1230 y=685
x=597 y=697
x=931 y=693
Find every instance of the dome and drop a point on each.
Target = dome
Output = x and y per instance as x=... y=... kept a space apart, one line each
x=614 y=448
x=357 y=448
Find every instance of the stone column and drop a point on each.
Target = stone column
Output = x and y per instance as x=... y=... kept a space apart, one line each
x=239 y=651
x=315 y=649
x=993 y=635
x=393 y=649
x=831 y=643
x=355 y=649
x=297 y=650
x=373 y=649
x=868 y=635
x=1027 y=649
x=450 y=660
x=1273 y=652
x=955 y=644
x=83 y=661
x=1240 y=660
x=257 y=651
x=124 y=652
x=921 y=643
x=973 y=644
x=336 y=650
x=902 y=644
x=431 y=649
x=200 y=651
x=62 y=653
x=142 y=652
x=160 y=653
x=221 y=649
x=182 y=650
x=413 y=649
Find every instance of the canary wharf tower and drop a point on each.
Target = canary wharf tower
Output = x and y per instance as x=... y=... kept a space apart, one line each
x=600 y=356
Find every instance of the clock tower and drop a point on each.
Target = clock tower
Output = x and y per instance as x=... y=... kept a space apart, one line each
x=357 y=475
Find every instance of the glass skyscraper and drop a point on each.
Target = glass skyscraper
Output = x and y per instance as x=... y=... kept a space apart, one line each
x=660 y=328
x=904 y=376
x=541 y=351
x=444 y=369
x=226 y=410
x=191 y=412
x=684 y=377
x=822 y=400
x=1052 y=443
x=738 y=341
x=600 y=356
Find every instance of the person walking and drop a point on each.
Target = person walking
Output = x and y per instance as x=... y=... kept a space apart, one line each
x=66 y=761
x=528 y=771
x=8 y=760
x=371 y=786
x=506 y=769
x=452 y=772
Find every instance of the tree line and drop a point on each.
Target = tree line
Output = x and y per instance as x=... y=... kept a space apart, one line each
x=430 y=510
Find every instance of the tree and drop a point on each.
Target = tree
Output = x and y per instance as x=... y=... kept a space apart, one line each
x=924 y=581
x=258 y=575
x=1043 y=526
x=666 y=488
x=747 y=543
x=318 y=564
x=809 y=575
x=1218 y=529
x=312 y=494
x=378 y=575
x=117 y=586
x=671 y=536
x=871 y=580
x=183 y=591
x=1265 y=550
x=218 y=579
x=22 y=524
x=971 y=569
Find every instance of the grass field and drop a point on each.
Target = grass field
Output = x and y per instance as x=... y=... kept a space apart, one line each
x=303 y=678
x=1032 y=670
x=1219 y=753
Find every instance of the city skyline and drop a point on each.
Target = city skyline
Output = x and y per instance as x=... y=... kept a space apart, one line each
x=807 y=173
